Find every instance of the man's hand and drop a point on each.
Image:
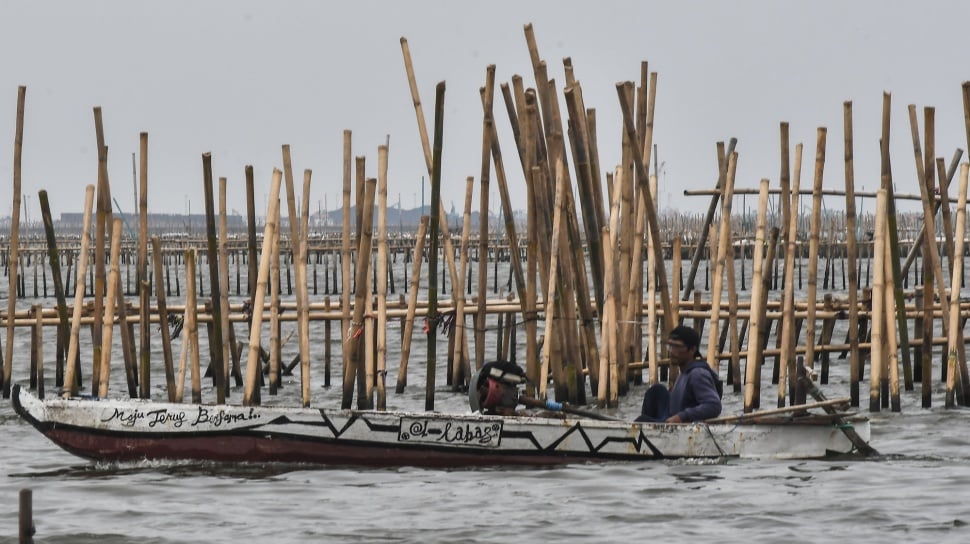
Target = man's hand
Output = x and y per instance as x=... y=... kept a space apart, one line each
x=674 y=419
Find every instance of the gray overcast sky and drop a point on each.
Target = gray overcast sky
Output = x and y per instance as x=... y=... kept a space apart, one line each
x=241 y=78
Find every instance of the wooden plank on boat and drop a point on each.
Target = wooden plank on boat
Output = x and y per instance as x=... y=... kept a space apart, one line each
x=830 y=404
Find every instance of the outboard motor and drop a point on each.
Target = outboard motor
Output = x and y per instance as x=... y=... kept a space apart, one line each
x=495 y=390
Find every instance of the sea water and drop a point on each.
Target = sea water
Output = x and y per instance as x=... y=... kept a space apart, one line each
x=917 y=490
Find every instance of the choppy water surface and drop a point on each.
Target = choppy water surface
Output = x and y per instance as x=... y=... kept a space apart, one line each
x=918 y=490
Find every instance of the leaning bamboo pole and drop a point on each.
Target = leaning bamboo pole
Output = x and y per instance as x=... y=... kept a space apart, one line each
x=640 y=160
x=63 y=330
x=813 y=245
x=926 y=194
x=652 y=343
x=351 y=342
x=253 y=360
x=299 y=263
x=109 y=309
x=412 y=305
x=723 y=246
x=963 y=393
x=144 y=290
x=952 y=369
x=70 y=381
x=428 y=159
x=946 y=176
x=163 y=320
x=18 y=146
x=711 y=210
x=551 y=300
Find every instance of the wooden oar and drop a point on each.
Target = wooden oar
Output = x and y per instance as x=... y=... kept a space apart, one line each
x=824 y=404
x=861 y=445
x=564 y=407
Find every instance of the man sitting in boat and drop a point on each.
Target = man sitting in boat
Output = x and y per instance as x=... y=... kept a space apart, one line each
x=496 y=388
x=695 y=396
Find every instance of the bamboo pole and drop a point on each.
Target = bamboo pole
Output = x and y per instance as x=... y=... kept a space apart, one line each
x=652 y=340
x=381 y=322
x=752 y=387
x=483 y=224
x=101 y=222
x=144 y=299
x=349 y=371
x=711 y=210
x=813 y=245
x=892 y=346
x=878 y=303
x=963 y=397
x=191 y=326
x=946 y=176
x=64 y=327
x=352 y=341
x=640 y=161
x=460 y=369
x=412 y=305
x=952 y=369
x=216 y=337
x=550 y=300
x=787 y=360
x=253 y=365
x=929 y=218
x=39 y=348
x=296 y=252
x=302 y=291
x=428 y=159
x=109 y=310
x=275 y=348
x=439 y=119
x=893 y=241
x=70 y=382
x=163 y=320
x=855 y=360
x=223 y=256
x=18 y=146
x=252 y=258
x=603 y=395
x=724 y=242
x=179 y=390
x=127 y=338
x=25 y=517
x=733 y=333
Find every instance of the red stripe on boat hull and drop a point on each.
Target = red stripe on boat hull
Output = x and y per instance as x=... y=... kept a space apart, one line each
x=262 y=449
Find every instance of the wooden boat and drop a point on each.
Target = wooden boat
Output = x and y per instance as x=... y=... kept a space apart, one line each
x=124 y=430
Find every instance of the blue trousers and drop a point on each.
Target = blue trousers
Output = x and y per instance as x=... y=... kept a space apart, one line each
x=656 y=404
